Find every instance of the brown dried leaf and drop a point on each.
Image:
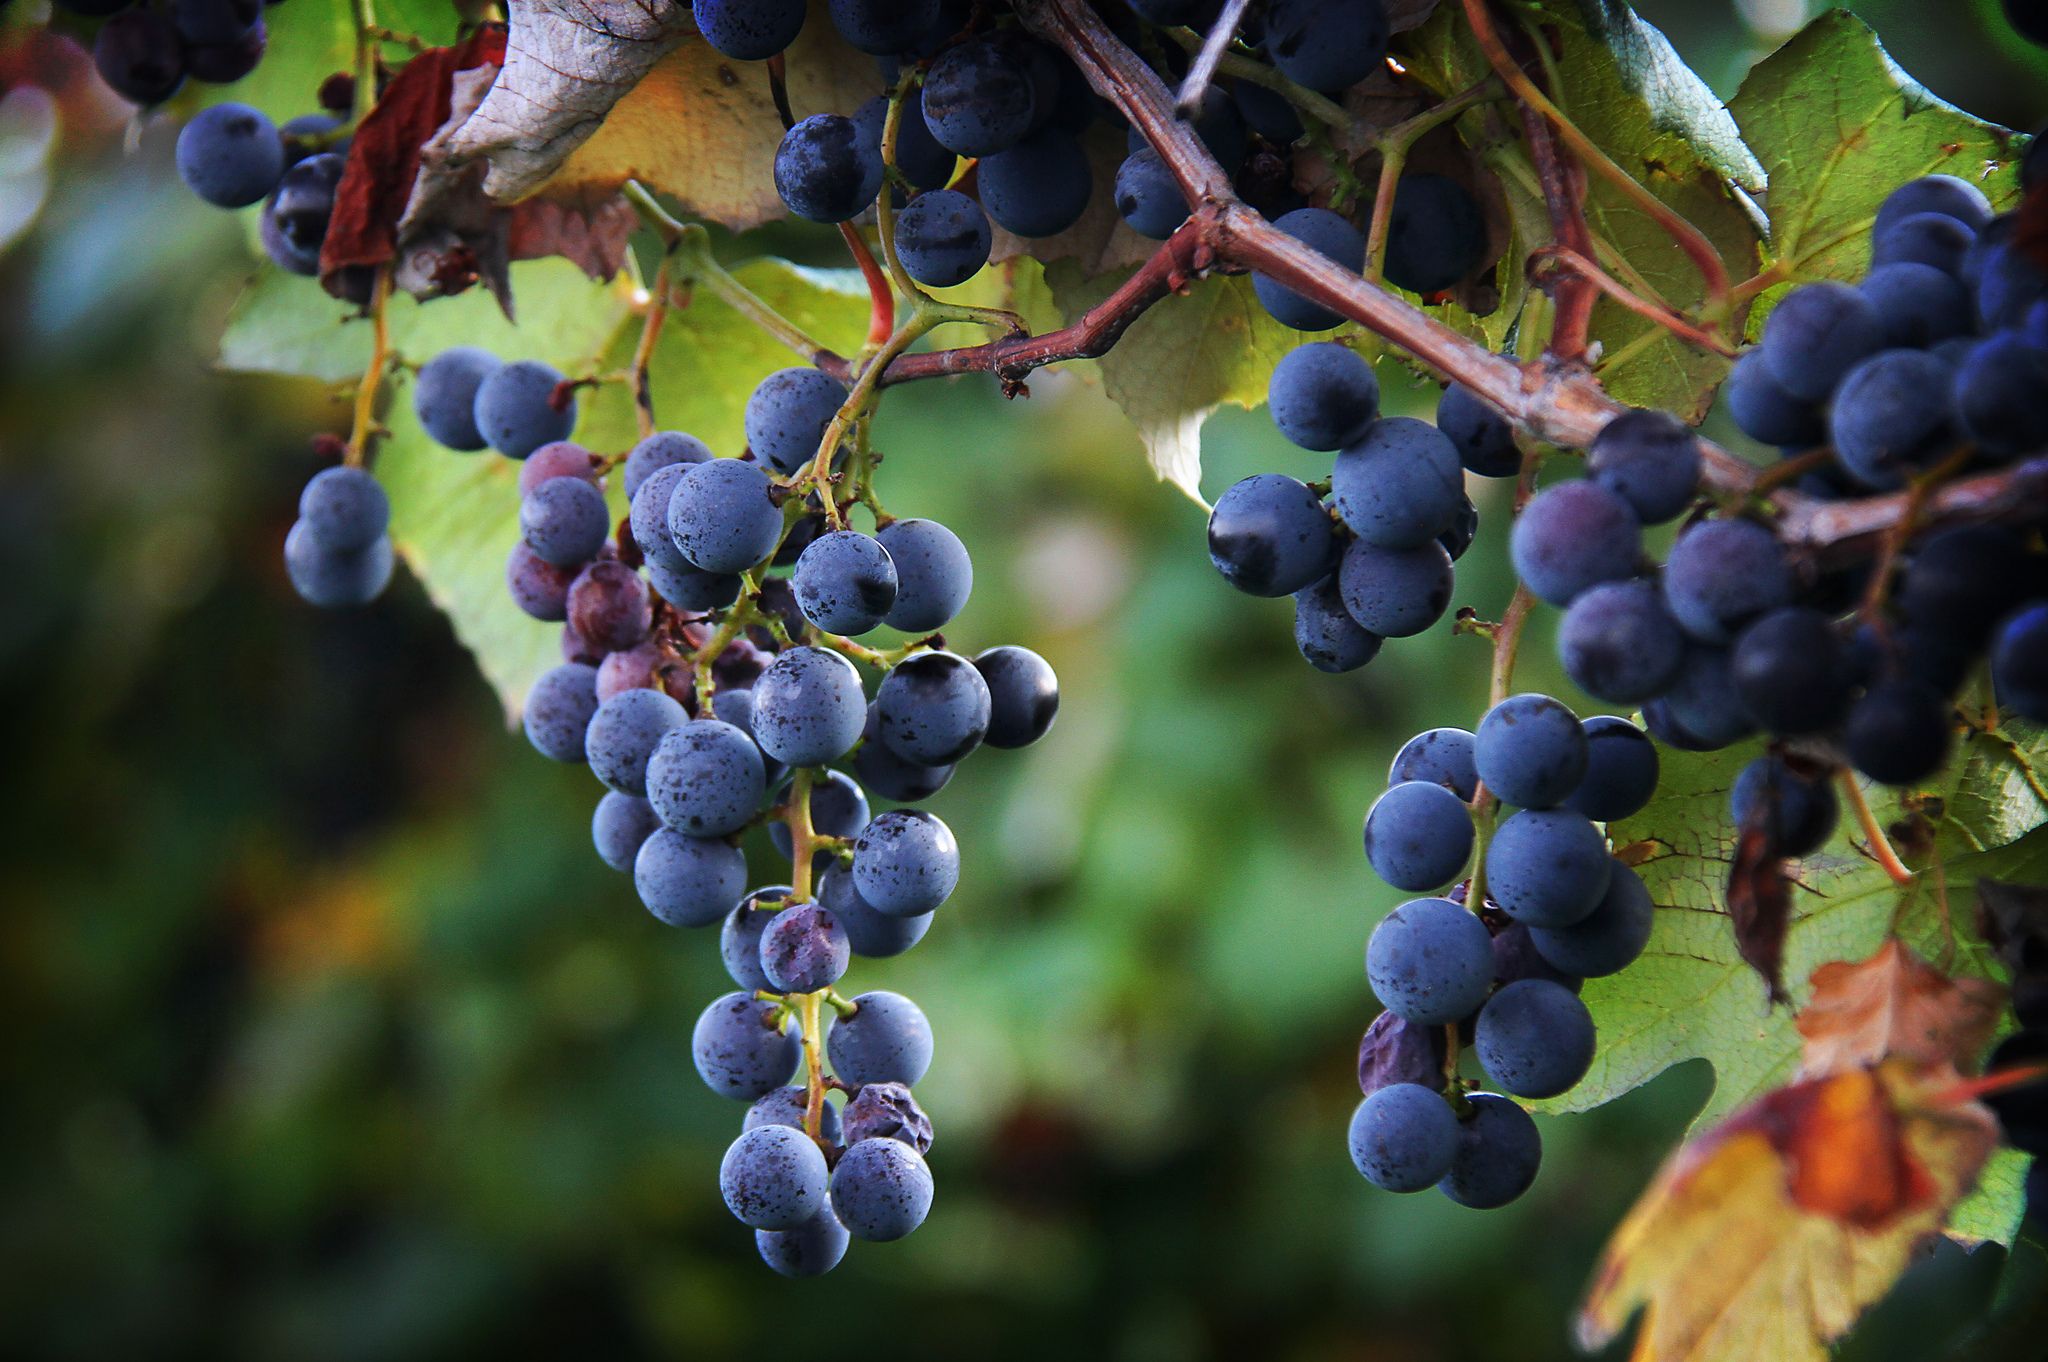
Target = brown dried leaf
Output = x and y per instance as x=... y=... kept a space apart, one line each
x=1895 y=1003
x=1760 y=905
x=1770 y=1234
x=596 y=92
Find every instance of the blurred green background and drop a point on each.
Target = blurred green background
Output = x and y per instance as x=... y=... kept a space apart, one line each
x=326 y=1035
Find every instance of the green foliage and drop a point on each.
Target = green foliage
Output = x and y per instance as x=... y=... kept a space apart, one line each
x=1838 y=126
x=1691 y=996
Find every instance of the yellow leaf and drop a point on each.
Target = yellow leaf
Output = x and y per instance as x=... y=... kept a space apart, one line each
x=1769 y=1235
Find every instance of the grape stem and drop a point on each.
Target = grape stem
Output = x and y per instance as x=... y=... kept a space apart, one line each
x=1203 y=69
x=364 y=427
x=1555 y=261
x=1713 y=272
x=643 y=353
x=1572 y=293
x=802 y=844
x=1880 y=846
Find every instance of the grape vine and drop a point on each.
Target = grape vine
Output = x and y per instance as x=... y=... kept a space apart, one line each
x=1880 y=590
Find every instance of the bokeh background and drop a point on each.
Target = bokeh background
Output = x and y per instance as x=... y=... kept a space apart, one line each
x=323 y=1034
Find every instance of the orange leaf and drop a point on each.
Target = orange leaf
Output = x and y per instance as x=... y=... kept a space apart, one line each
x=1895 y=1003
x=1766 y=1237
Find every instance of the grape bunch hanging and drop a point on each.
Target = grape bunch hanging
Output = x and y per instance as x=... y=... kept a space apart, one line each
x=712 y=680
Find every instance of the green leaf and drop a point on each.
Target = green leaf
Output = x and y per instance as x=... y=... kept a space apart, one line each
x=1185 y=357
x=455 y=516
x=1838 y=126
x=1692 y=997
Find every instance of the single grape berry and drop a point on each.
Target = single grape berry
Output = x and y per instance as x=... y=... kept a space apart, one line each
x=230 y=155
x=663 y=449
x=739 y=935
x=1899 y=732
x=773 y=1178
x=1796 y=808
x=1918 y=304
x=1270 y=535
x=138 y=55
x=883 y=28
x=1763 y=410
x=825 y=170
x=1722 y=574
x=933 y=574
x=1325 y=634
x=1607 y=940
x=788 y=1107
x=623 y=734
x=688 y=881
x=2019 y=663
x=344 y=510
x=723 y=516
x=444 y=395
x=1621 y=770
x=803 y=949
x=1023 y=693
x=881 y=1189
x=1619 y=644
x=1323 y=396
x=1148 y=197
x=887 y=1111
x=1933 y=239
x=1890 y=414
x=294 y=221
x=1948 y=194
x=1436 y=235
x=905 y=863
x=1530 y=751
x=1791 y=671
x=749 y=30
x=787 y=414
x=1395 y=1050
x=742 y=1052
x=1534 y=1038
x=1039 y=187
x=515 y=406
x=334 y=580
x=559 y=708
x=933 y=708
x=619 y=827
x=1547 y=867
x=1815 y=334
x=1430 y=961
x=1484 y=439
x=1571 y=537
x=869 y=932
x=812 y=1249
x=1395 y=593
x=565 y=521
x=1327 y=45
x=609 y=604
x=537 y=586
x=885 y=1040
x=1403 y=1138
x=1703 y=700
x=2000 y=393
x=560 y=459
x=1399 y=486
x=844 y=582
x=978 y=100
x=808 y=707
x=1498 y=1154
x=1650 y=460
x=705 y=778
x=1441 y=756
x=942 y=238
x=1418 y=836
x=1322 y=231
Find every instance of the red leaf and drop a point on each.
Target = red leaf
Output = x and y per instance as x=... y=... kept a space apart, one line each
x=384 y=158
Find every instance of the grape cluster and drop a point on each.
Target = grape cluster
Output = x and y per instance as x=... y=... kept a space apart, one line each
x=711 y=698
x=1556 y=908
x=146 y=51
x=1367 y=555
